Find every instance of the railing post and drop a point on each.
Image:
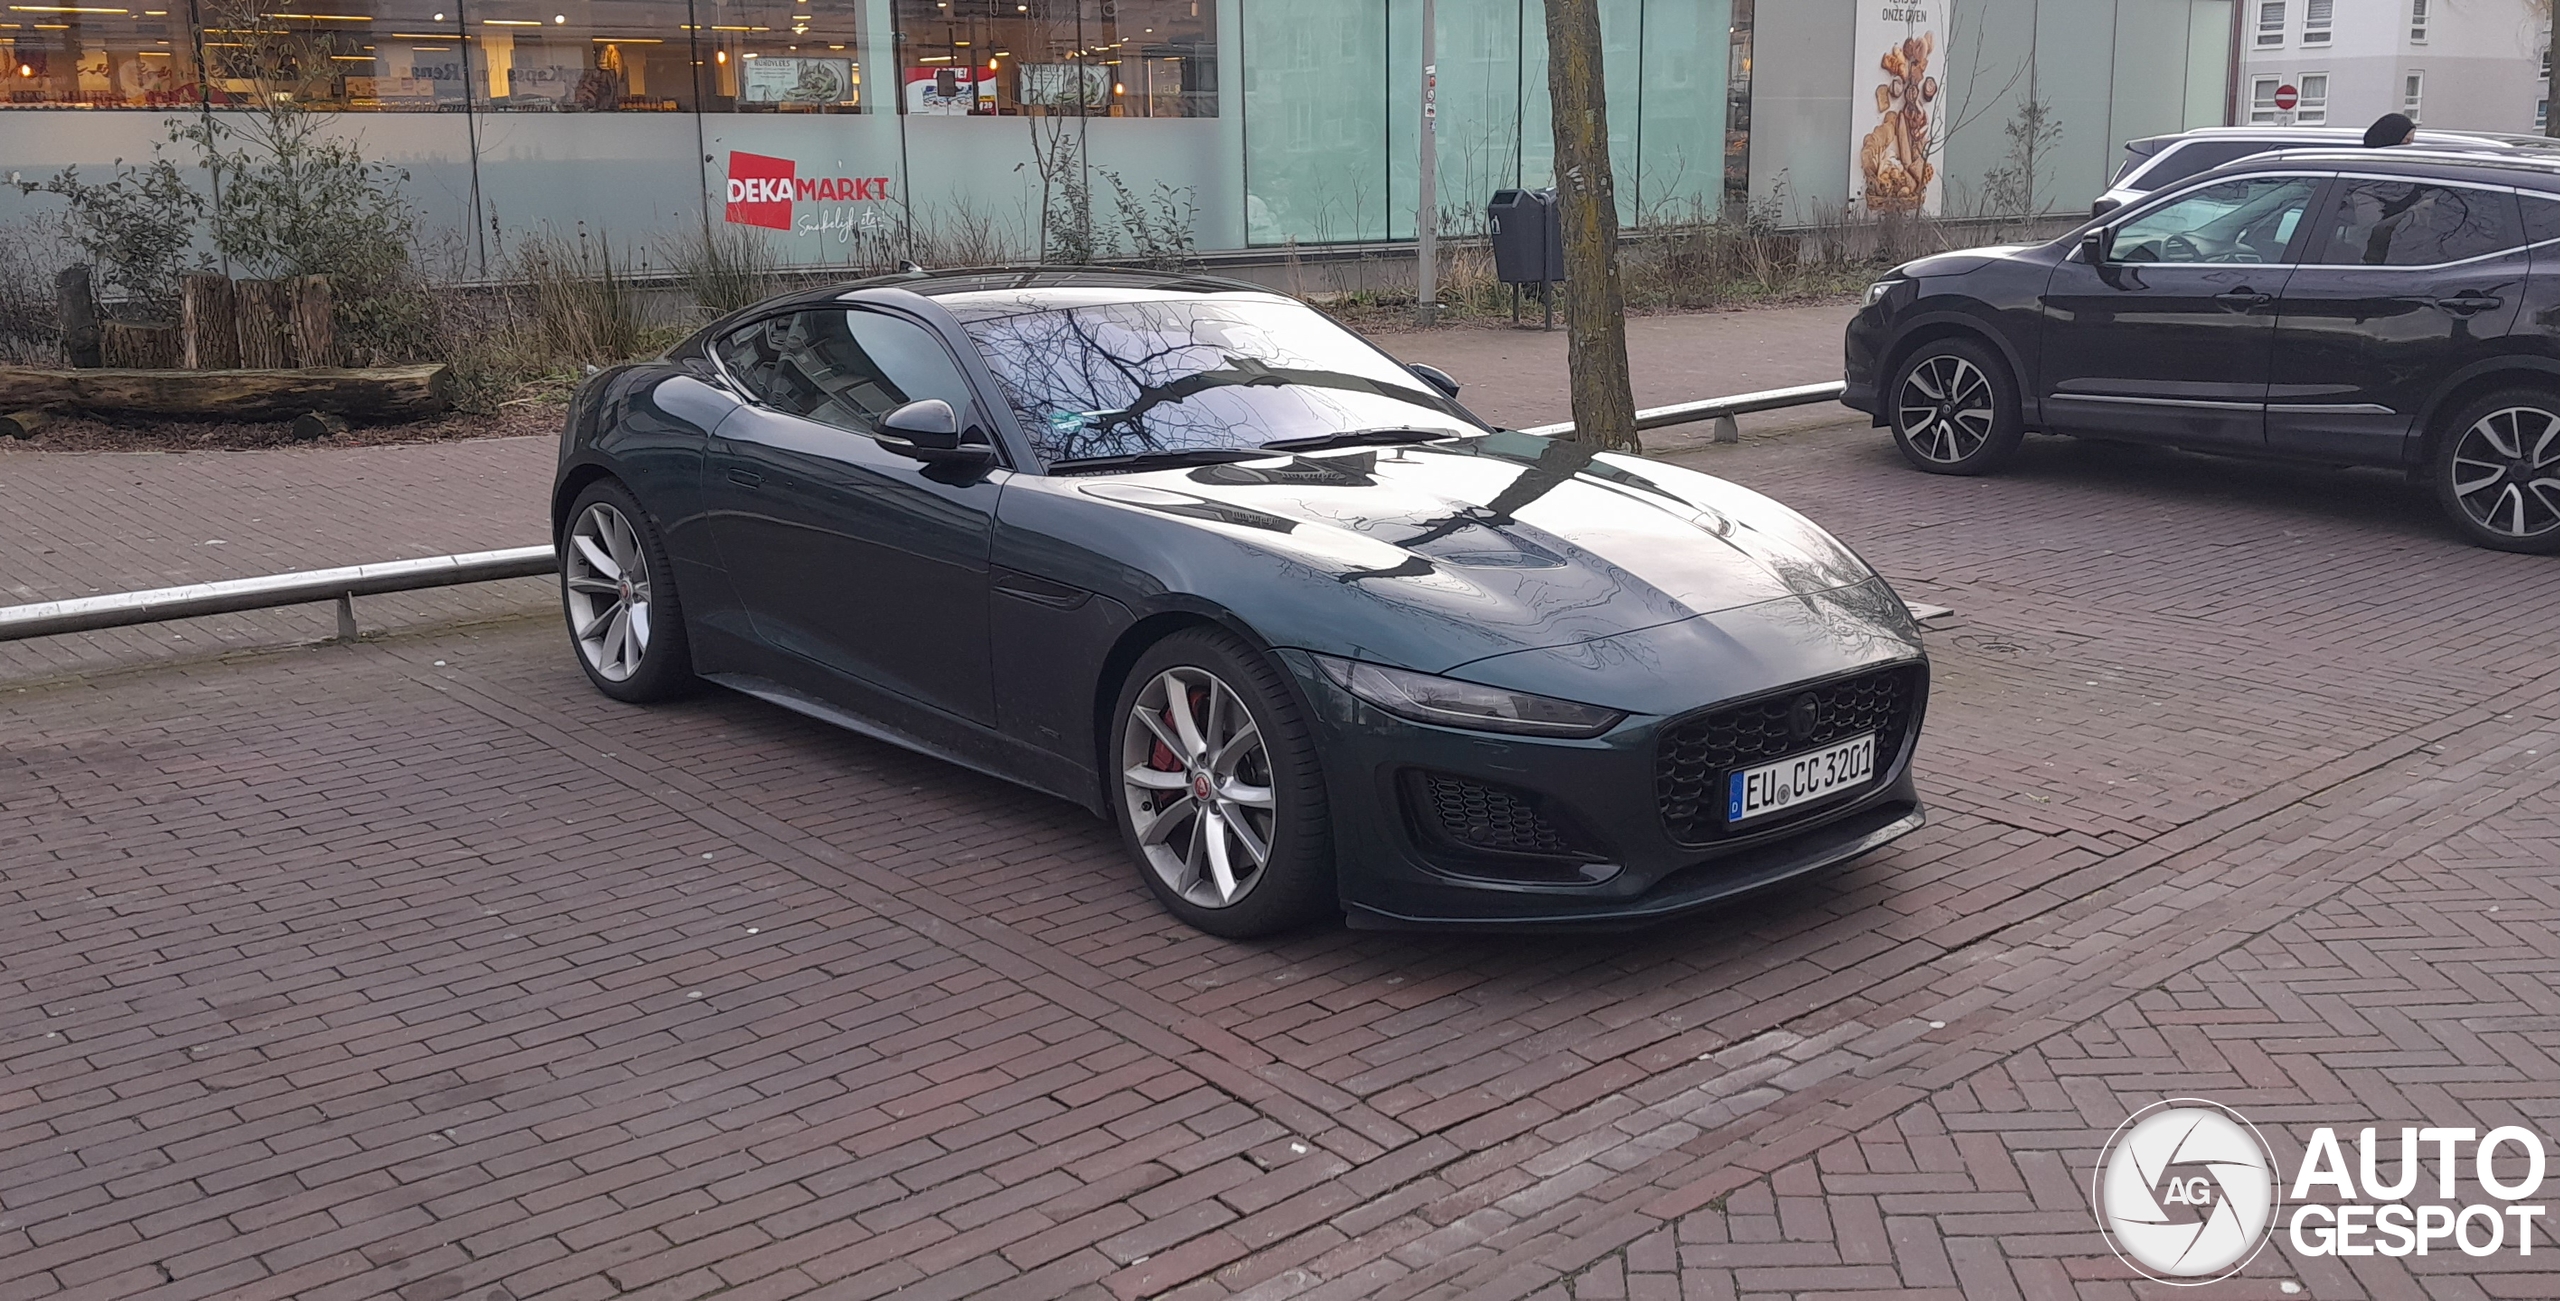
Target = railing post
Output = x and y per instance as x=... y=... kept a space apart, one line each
x=347 y=617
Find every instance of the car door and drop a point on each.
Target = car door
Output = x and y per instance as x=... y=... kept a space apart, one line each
x=2403 y=282
x=2168 y=337
x=867 y=562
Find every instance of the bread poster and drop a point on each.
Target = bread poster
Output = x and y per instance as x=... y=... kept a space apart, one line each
x=1894 y=107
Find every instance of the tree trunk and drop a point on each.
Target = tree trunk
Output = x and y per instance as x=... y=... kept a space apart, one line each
x=138 y=347
x=386 y=393
x=79 y=307
x=208 y=322
x=1595 y=306
x=315 y=334
x=266 y=324
x=2551 y=64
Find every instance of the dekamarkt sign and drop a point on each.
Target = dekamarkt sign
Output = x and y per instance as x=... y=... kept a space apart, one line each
x=770 y=192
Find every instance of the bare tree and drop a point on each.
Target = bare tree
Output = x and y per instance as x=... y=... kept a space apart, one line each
x=1595 y=304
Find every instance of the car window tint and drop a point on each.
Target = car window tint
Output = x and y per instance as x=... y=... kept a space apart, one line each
x=2246 y=220
x=842 y=367
x=2416 y=224
x=2541 y=218
x=2198 y=156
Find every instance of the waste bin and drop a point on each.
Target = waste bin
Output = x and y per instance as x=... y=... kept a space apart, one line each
x=1528 y=236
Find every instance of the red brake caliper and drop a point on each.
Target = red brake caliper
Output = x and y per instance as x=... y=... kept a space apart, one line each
x=1162 y=758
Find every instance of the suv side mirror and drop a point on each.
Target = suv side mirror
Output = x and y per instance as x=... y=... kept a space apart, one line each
x=1436 y=378
x=929 y=430
x=2096 y=245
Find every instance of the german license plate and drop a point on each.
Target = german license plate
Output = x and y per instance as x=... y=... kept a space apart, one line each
x=1796 y=779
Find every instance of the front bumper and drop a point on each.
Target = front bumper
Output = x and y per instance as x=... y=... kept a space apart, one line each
x=1400 y=868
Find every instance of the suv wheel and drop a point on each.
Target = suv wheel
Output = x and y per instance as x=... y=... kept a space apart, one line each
x=1955 y=409
x=2497 y=471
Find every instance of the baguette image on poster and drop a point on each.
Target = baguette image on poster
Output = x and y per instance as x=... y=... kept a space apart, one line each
x=1894 y=109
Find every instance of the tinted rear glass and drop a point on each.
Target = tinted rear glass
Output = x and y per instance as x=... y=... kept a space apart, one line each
x=2415 y=224
x=2198 y=156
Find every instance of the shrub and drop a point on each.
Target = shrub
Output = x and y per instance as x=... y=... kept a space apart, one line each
x=137 y=230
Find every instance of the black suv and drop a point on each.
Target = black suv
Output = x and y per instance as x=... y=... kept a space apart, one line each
x=2387 y=307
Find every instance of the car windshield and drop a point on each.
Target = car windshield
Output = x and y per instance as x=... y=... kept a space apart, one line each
x=1197 y=375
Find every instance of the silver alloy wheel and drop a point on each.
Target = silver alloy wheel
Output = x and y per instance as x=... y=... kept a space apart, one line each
x=1946 y=409
x=607 y=574
x=2506 y=472
x=1197 y=778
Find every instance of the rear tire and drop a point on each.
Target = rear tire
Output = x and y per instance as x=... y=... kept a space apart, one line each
x=1222 y=808
x=1953 y=408
x=2496 y=471
x=618 y=590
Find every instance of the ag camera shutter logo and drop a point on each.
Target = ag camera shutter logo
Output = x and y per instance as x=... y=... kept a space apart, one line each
x=2186 y=1191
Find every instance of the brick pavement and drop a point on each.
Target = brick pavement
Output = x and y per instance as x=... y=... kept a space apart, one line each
x=417 y=969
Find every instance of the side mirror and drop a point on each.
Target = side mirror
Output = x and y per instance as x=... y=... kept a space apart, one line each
x=2096 y=245
x=1436 y=378
x=929 y=431
x=2102 y=207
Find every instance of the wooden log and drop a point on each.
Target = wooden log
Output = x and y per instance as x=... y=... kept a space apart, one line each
x=315 y=331
x=208 y=322
x=318 y=424
x=130 y=346
x=266 y=323
x=384 y=393
x=24 y=424
x=79 y=309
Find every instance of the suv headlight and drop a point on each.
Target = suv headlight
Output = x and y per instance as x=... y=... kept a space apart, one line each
x=1427 y=698
x=1877 y=291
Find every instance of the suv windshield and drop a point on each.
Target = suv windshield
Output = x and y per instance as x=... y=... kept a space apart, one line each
x=1197 y=375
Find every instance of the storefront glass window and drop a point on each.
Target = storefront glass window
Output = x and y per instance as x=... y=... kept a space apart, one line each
x=1101 y=58
x=1315 y=105
x=582 y=56
x=82 y=52
x=776 y=56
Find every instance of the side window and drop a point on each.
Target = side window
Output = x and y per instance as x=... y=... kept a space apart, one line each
x=842 y=367
x=2246 y=220
x=2415 y=224
x=2541 y=218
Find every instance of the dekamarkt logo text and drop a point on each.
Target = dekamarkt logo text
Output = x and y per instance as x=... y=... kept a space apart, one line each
x=2188 y=1191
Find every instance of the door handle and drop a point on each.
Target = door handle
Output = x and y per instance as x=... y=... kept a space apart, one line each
x=746 y=478
x=2469 y=303
x=2242 y=299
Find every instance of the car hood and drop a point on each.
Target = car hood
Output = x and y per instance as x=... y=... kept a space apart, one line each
x=1434 y=556
x=1960 y=261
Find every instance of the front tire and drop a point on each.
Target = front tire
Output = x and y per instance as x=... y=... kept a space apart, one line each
x=2496 y=471
x=1954 y=409
x=1218 y=790
x=618 y=590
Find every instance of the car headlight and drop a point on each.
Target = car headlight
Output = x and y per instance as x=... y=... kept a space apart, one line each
x=1426 y=698
x=1877 y=291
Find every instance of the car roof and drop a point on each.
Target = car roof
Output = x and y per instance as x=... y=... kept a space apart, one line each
x=2315 y=135
x=2528 y=171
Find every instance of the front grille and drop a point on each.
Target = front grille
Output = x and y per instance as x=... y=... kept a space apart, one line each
x=1696 y=753
x=1475 y=815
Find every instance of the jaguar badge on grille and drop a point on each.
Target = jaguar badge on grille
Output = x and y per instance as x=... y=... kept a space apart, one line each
x=1803 y=716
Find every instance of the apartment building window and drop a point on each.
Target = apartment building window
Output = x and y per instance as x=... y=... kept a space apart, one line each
x=2271 y=22
x=2313 y=110
x=2315 y=21
x=2418 y=21
x=2262 y=100
x=2412 y=89
x=2541 y=114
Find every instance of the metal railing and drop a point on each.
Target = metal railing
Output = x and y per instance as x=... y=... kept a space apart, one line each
x=230 y=596
x=118 y=609
x=1721 y=410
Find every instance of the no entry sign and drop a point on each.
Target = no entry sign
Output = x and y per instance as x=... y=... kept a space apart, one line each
x=2287 y=97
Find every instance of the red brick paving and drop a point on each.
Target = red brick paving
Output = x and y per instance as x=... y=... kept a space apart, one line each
x=338 y=972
